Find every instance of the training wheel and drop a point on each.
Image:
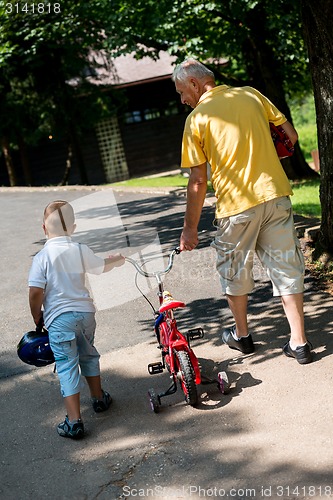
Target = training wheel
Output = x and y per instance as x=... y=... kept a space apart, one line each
x=153 y=401
x=223 y=382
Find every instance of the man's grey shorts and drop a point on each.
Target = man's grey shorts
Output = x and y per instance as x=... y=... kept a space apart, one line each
x=72 y=342
x=267 y=230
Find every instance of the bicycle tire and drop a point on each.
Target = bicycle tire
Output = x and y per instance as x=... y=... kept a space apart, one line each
x=186 y=377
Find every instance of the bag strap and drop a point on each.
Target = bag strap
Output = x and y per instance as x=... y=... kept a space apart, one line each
x=82 y=261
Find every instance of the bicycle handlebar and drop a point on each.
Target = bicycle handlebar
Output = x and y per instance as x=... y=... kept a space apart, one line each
x=175 y=251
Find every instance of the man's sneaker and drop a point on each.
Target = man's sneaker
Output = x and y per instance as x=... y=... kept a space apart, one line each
x=74 y=430
x=302 y=353
x=103 y=404
x=244 y=344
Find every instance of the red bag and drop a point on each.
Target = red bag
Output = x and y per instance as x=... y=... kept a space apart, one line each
x=283 y=145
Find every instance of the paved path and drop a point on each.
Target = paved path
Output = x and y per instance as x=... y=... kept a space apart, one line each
x=271 y=437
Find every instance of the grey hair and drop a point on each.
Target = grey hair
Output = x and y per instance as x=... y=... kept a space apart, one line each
x=191 y=67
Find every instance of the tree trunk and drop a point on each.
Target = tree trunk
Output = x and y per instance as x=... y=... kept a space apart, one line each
x=317 y=21
x=9 y=161
x=78 y=154
x=68 y=167
x=25 y=161
x=263 y=71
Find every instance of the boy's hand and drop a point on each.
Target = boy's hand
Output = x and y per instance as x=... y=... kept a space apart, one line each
x=117 y=259
x=112 y=261
x=36 y=296
x=40 y=323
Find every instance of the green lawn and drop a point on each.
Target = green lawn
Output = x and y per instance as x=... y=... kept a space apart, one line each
x=305 y=199
x=164 y=181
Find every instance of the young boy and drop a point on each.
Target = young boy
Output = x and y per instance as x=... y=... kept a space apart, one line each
x=57 y=283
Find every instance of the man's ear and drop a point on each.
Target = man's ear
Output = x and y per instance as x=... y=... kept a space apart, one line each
x=195 y=84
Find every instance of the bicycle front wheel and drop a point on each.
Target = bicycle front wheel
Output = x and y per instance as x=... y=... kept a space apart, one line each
x=186 y=377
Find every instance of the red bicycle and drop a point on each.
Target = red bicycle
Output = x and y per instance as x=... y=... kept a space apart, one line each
x=176 y=352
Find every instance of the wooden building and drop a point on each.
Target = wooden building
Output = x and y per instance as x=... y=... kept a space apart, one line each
x=144 y=138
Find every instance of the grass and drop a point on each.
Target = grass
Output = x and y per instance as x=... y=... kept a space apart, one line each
x=305 y=199
x=304 y=120
x=177 y=180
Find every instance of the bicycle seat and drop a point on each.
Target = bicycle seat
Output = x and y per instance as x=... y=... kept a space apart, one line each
x=169 y=302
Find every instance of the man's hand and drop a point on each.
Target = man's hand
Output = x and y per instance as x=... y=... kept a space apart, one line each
x=188 y=239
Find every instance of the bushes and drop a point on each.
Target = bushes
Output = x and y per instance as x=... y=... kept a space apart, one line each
x=304 y=119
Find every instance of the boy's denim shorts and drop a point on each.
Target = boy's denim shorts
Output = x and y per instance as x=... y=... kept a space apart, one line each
x=268 y=231
x=72 y=342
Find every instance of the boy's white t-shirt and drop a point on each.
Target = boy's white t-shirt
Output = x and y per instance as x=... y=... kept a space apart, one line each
x=59 y=268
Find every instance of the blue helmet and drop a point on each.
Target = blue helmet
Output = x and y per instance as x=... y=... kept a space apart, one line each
x=34 y=348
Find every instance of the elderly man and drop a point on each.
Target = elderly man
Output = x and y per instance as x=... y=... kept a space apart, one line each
x=229 y=129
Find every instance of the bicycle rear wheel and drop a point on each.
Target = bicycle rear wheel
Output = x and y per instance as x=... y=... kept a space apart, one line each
x=186 y=377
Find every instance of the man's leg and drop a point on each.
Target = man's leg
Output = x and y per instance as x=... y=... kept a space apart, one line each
x=297 y=347
x=237 y=337
x=238 y=307
x=293 y=308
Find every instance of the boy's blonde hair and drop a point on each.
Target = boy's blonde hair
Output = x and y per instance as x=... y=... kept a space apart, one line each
x=59 y=218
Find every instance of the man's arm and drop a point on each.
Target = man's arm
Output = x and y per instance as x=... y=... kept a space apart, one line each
x=290 y=131
x=196 y=192
x=36 y=296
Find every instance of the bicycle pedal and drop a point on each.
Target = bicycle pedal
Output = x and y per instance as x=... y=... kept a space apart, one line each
x=154 y=368
x=196 y=333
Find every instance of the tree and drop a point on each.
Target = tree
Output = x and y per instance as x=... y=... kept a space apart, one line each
x=46 y=53
x=317 y=20
x=44 y=60
x=261 y=39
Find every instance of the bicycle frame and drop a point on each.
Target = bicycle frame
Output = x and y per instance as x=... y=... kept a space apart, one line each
x=172 y=339
x=169 y=338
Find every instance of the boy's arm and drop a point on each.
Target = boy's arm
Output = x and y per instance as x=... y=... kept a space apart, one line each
x=36 y=296
x=112 y=261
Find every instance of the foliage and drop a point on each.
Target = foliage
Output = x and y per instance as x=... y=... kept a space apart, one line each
x=43 y=62
x=304 y=119
x=216 y=29
x=45 y=59
x=245 y=42
x=45 y=52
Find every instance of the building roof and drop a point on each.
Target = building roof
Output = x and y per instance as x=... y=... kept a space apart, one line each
x=126 y=70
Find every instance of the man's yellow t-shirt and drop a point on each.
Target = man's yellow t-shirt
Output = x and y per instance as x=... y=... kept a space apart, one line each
x=229 y=129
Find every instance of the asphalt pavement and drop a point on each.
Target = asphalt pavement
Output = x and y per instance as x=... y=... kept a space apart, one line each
x=270 y=437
